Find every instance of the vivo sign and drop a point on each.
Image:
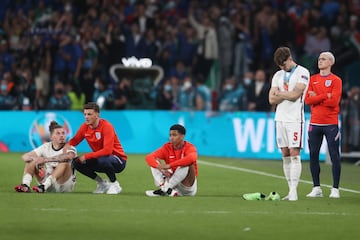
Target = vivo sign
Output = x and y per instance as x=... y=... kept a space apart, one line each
x=138 y=63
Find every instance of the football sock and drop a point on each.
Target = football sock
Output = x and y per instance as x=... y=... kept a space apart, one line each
x=49 y=181
x=27 y=178
x=98 y=179
x=158 y=176
x=295 y=171
x=179 y=175
x=286 y=168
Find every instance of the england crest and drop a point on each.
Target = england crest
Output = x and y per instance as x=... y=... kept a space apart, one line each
x=98 y=135
x=328 y=83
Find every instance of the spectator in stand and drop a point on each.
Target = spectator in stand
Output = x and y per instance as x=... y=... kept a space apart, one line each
x=316 y=42
x=353 y=120
x=59 y=100
x=232 y=96
x=164 y=97
x=42 y=75
x=186 y=98
x=188 y=45
x=87 y=66
x=115 y=41
x=7 y=101
x=62 y=58
x=179 y=71
x=225 y=35
x=26 y=91
x=103 y=95
x=124 y=94
x=208 y=43
x=257 y=93
x=6 y=57
x=77 y=97
x=135 y=42
x=203 y=99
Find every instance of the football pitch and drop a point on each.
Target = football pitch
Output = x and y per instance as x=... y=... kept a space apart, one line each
x=217 y=212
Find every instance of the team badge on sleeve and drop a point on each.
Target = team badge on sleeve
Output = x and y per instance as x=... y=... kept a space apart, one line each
x=305 y=77
x=328 y=83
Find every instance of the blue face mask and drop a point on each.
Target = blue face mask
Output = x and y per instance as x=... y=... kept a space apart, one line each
x=247 y=81
x=3 y=87
x=167 y=87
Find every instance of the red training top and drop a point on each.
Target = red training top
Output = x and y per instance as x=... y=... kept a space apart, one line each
x=185 y=156
x=324 y=110
x=102 y=140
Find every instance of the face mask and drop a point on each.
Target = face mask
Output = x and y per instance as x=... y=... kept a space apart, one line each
x=187 y=85
x=356 y=97
x=167 y=87
x=96 y=86
x=229 y=87
x=247 y=81
x=3 y=87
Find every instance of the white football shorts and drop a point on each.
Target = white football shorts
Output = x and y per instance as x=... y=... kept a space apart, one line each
x=67 y=186
x=289 y=134
x=186 y=191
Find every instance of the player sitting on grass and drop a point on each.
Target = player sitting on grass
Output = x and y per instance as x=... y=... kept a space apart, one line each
x=51 y=167
x=174 y=166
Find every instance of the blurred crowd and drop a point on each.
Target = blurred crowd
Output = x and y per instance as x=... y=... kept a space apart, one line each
x=216 y=55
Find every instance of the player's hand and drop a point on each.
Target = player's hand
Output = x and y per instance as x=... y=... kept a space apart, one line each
x=312 y=93
x=81 y=159
x=167 y=172
x=39 y=160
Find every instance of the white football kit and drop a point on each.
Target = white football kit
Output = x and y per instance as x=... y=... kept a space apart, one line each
x=47 y=150
x=289 y=115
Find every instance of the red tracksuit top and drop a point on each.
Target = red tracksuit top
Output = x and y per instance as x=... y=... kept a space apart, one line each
x=185 y=156
x=102 y=140
x=324 y=110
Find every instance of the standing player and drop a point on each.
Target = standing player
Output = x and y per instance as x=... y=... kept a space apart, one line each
x=50 y=166
x=323 y=95
x=174 y=166
x=287 y=90
x=108 y=155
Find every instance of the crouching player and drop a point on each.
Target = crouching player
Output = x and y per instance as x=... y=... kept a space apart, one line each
x=49 y=164
x=174 y=166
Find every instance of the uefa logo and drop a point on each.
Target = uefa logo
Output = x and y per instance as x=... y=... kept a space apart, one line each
x=39 y=130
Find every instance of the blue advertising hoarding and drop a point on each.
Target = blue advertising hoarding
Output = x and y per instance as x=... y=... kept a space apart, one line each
x=222 y=134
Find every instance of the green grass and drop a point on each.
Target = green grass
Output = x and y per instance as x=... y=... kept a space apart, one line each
x=217 y=212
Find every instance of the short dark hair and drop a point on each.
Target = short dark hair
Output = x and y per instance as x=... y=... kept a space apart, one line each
x=92 y=105
x=281 y=55
x=179 y=128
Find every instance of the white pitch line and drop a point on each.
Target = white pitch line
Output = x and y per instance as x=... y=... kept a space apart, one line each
x=267 y=174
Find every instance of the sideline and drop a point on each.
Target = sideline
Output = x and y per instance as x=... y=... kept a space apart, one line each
x=267 y=174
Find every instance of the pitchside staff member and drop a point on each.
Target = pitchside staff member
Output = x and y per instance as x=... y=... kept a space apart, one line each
x=323 y=95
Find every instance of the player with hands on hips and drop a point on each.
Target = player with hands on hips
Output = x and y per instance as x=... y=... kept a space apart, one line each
x=173 y=166
x=49 y=164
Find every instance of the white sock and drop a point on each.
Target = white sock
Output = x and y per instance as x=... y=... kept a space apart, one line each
x=98 y=179
x=179 y=175
x=158 y=177
x=295 y=171
x=49 y=181
x=27 y=178
x=286 y=169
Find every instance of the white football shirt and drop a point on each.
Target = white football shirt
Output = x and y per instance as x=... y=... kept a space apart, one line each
x=47 y=150
x=288 y=111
